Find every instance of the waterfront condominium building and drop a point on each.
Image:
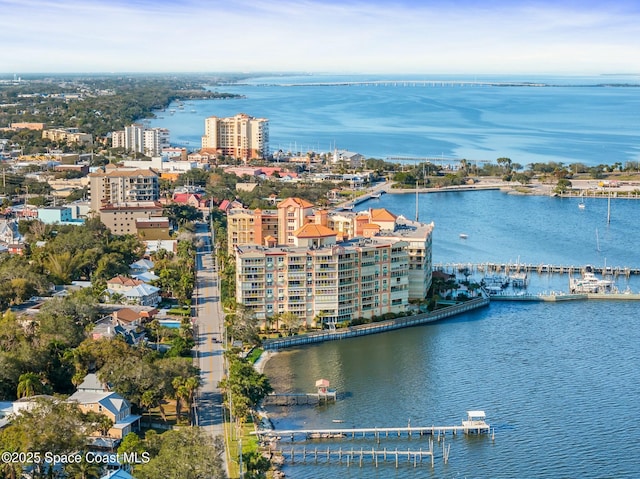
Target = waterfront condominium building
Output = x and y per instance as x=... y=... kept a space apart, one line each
x=122 y=185
x=242 y=136
x=325 y=264
x=323 y=282
x=137 y=138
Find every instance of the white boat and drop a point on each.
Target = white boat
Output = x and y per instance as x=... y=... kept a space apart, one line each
x=495 y=282
x=519 y=280
x=463 y=236
x=581 y=206
x=590 y=283
x=375 y=195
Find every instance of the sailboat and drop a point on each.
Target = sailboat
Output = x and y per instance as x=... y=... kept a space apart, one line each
x=581 y=205
x=597 y=241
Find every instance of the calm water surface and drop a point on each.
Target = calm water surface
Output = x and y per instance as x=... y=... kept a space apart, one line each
x=568 y=124
x=559 y=382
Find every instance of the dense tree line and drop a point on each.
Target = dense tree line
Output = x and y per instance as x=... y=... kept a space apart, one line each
x=108 y=103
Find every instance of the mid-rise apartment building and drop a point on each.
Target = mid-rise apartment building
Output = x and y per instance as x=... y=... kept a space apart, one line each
x=139 y=139
x=122 y=185
x=69 y=136
x=241 y=136
x=331 y=265
x=327 y=283
x=123 y=218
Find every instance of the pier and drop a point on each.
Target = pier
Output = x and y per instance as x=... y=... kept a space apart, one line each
x=474 y=424
x=376 y=433
x=533 y=268
x=355 y=457
x=324 y=394
x=297 y=399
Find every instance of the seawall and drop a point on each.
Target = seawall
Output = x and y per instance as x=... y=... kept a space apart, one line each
x=374 y=328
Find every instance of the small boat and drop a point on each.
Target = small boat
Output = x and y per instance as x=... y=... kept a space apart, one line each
x=375 y=195
x=463 y=236
x=581 y=206
x=339 y=421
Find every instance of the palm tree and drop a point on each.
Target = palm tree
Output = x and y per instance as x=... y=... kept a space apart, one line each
x=61 y=266
x=10 y=470
x=191 y=385
x=147 y=401
x=83 y=470
x=29 y=384
x=104 y=424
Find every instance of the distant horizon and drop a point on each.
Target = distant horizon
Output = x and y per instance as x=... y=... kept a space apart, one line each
x=525 y=37
x=395 y=75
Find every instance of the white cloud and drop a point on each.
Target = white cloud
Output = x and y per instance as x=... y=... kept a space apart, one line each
x=313 y=36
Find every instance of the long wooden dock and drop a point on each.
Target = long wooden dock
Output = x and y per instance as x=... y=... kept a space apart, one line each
x=373 y=432
x=533 y=268
x=296 y=399
x=355 y=457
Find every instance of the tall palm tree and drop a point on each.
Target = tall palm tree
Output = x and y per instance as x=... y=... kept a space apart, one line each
x=191 y=385
x=29 y=384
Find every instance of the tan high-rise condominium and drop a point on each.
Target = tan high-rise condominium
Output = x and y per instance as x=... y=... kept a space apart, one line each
x=242 y=136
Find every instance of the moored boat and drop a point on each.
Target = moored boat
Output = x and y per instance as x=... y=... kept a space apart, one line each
x=590 y=283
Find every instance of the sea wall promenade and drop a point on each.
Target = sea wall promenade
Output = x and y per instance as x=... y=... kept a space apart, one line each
x=374 y=328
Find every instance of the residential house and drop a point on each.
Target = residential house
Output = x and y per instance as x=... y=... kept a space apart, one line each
x=127 y=317
x=118 y=474
x=9 y=232
x=141 y=266
x=134 y=291
x=192 y=199
x=143 y=295
x=153 y=246
x=109 y=404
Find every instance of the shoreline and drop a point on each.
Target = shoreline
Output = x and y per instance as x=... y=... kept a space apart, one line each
x=260 y=364
x=581 y=188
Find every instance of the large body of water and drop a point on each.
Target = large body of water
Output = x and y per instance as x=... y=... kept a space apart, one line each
x=573 y=121
x=559 y=381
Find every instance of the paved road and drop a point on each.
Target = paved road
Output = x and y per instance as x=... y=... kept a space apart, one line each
x=209 y=325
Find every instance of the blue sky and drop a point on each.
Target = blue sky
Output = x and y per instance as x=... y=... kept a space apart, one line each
x=349 y=36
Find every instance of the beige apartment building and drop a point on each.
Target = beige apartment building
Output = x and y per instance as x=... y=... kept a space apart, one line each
x=251 y=227
x=123 y=218
x=336 y=266
x=68 y=136
x=241 y=136
x=321 y=281
x=122 y=185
